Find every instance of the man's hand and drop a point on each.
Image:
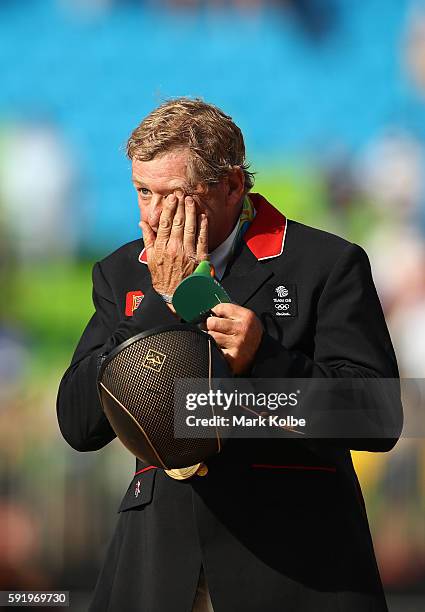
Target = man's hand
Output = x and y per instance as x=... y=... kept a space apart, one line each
x=180 y=244
x=238 y=332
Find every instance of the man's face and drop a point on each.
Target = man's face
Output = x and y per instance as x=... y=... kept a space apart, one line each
x=156 y=179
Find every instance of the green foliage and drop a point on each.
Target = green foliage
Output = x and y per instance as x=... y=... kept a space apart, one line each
x=298 y=193
x=50 y=303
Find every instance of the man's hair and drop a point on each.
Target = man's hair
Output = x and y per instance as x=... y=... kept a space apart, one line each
x=214 y=141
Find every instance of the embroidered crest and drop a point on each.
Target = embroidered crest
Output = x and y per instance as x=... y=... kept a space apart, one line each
x=285 y=304
x=281 y=291
x=132 y=302
x=137 y=489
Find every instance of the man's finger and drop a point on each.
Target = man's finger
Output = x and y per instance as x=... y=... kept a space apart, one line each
x=223 y=340
x=178 y=223
x=148 y=235
x=202 y=238
x=190 y=226
x=148 y=238
x=166 y=219
x=229 y=311
x=222 y=325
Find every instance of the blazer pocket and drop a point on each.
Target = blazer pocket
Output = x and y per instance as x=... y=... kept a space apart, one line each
x=140 y=491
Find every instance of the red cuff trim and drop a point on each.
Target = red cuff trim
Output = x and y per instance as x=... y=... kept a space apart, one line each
x=150 y=467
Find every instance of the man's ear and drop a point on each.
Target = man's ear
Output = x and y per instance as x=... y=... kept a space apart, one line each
x=235 y=185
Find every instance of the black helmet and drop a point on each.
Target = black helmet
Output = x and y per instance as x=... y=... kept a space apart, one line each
x=136 y=384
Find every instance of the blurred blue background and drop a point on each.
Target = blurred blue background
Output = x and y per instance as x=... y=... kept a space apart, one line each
x=330 y=95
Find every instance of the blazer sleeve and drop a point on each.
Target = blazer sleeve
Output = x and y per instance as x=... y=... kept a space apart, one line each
x=81 y=419
x=351 y=341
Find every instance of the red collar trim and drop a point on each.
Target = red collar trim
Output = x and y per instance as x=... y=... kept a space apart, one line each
x=266 y=235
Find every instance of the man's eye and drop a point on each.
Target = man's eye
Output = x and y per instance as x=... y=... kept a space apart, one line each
x=144 y=191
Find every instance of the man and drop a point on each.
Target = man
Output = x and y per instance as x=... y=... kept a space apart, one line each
x=275 y=524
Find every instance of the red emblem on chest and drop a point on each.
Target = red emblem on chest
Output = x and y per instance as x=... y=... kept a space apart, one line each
x=132 y=301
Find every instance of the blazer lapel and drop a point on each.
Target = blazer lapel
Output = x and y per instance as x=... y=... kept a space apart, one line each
x=244 y=276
